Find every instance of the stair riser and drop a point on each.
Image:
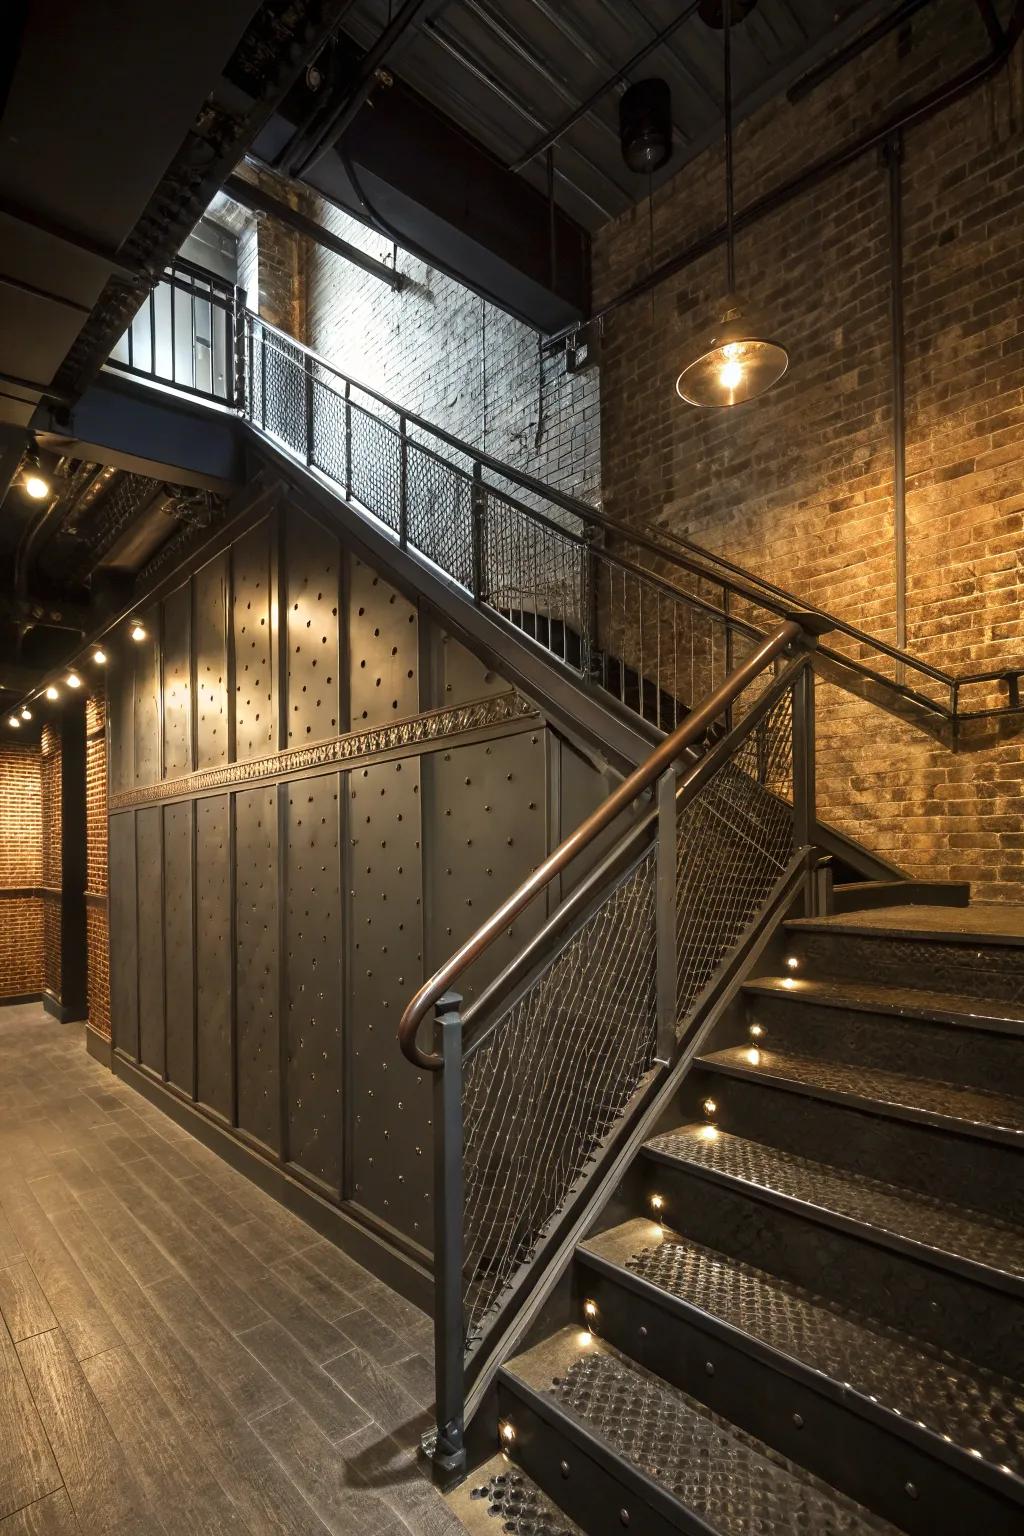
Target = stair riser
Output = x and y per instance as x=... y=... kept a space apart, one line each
x=967 y=1057
x=870 y=895
x=588 y=1485
x=857 y=1275
x=854 y=1452
x=988 y=971
x=976 y=1174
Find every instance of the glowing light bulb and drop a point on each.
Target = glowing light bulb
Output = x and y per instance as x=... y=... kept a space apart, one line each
x=26 y=713
x=757 y=1031
x=73 y=680
x=51 y=692
x=792 y=962
x=37 y=487
x=13 y=720
x=657 y=1204
x=506 y=1431
x=138 y=632
x=710 y=1109
x=730 y=375
x=99 y=657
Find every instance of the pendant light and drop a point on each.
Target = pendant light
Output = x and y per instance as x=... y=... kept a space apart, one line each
x=736 y=362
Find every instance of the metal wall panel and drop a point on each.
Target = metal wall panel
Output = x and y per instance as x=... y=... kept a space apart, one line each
x=124 y=966
x=461 y=675
x=256 y=961
x=121 y=705
x=255 y=723
x=312 y=559
x=485 y=828
x=383 y=650
x=209 y=640
x=388 y=1104
x=214 y=959
x=149 y=852
x=313 y=971
x=178 y=943
x=147 y=700
x=176 y=684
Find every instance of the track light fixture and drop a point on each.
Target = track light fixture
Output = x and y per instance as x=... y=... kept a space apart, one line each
x=26 y=713
x=736 y=362
x=35 y=482
x=52 y=693
x=99 y=656
x=73 y=680
x=137 y=631
x=13 y=720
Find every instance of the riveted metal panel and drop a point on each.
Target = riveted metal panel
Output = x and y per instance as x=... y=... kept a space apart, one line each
x=389 y=1104
x=383 y=650
x=312 y=988
x=121 y=703
x=255 y=725
x=256 y=960
x=147 y=700
x=124 y=969
x=312 y=559
x=214 y=1068
x=176 y=684
x=485 y=828
x=149 y=848
x=463 y=676
x=178 y=951
x=209 y=638
x=581 y=789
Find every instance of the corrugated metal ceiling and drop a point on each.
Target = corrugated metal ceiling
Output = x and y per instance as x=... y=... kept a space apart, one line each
x=510 y=72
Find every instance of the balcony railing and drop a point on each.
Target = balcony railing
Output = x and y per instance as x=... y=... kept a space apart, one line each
x=186 y=335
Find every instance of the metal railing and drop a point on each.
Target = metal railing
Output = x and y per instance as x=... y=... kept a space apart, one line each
x=546 y=1064
x=186 y=335
x=655 y=620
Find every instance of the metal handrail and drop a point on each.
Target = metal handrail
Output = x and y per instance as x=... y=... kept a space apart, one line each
x=641 y=779
x=731 y=579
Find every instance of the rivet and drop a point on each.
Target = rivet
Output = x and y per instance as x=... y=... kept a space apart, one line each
x=709 y=1369
x=643 y=1333
x=563 y=1467
x=623 y=1516
x=910 y=1490
x=798 y=1420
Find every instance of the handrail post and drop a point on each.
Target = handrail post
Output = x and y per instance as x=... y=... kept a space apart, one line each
x=348 y=440
x=665 y=919
x=238 y=347
x=589 y=602
x=804 y=809
x=403 y=483
x=307 y=384
x=478 y=511
x=448 y=1451
x=729 y=661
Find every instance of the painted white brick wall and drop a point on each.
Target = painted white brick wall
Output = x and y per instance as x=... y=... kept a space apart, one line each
x=444 y=353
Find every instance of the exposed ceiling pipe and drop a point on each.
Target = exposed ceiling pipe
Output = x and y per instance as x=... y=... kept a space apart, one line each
x=337 y=121
x=955 y=89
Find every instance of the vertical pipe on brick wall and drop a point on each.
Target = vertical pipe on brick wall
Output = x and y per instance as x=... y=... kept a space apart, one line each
x=892 y=158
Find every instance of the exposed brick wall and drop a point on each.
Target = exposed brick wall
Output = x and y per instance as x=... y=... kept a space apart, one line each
x=97 y=928
x=799 y=485
x=21 y=841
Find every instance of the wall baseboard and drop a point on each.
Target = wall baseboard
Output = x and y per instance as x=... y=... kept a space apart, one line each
x=99 y=1047
x=396 y=1269
x=58 y=1010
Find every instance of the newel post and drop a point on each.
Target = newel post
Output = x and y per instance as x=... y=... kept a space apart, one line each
x=448 y=1453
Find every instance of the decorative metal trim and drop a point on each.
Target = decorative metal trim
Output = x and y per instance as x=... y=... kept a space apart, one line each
x=434 y=725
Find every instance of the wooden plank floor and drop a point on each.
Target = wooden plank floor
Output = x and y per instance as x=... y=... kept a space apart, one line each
x=179 y=1355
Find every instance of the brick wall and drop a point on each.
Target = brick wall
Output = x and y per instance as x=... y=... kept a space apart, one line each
x=21 y=841
x=799 y=485
x=435 y=347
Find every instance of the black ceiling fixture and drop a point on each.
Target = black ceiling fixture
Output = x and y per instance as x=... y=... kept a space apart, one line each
x=645 y=125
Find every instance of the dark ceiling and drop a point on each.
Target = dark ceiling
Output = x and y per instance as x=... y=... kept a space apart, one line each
x=510 y=72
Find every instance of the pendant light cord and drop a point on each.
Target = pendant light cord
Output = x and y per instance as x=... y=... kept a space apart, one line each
x=730 y=256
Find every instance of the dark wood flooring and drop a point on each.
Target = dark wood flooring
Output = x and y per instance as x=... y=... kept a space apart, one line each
x=178 y=1353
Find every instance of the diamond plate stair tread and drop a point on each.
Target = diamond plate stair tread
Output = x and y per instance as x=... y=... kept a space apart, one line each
x=733 y=1481
x=500 y=1497
x=913 y=1097
x=935 y=1224
x=974 y=1409
x=906 y=1002
x=981 y=923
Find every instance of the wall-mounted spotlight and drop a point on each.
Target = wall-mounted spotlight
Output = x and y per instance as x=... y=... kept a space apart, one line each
x=51 y=692
x=34 y=481
x=14 y=721
x=26 y=713
x=73 y=680
x=137 y=631
x=99 y=657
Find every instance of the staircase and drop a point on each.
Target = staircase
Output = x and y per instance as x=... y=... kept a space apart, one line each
x=801 y=1309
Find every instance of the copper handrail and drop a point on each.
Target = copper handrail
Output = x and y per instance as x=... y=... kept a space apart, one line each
x=691 y=731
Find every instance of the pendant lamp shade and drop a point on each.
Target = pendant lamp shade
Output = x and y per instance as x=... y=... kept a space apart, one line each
x=736 y=364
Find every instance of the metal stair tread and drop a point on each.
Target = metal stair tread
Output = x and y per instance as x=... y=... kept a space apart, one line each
x=884 y=1209
x=734 y=1482
x=967 y=1406
x=993 y=1115
x=979 y=923
x=903 y=1001
x=501 y=1497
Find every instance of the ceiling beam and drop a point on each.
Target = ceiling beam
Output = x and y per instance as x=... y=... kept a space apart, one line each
x=254 y=198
